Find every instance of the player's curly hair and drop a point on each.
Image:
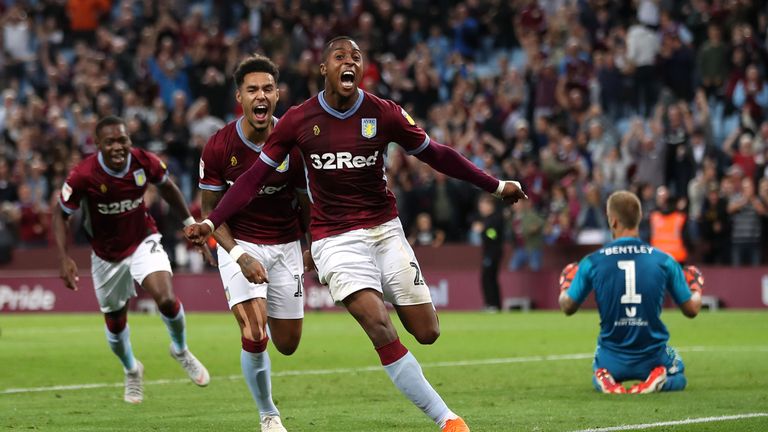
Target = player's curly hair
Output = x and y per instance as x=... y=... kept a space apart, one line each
x=110 y=120
x=327 y=47
x=255 y=63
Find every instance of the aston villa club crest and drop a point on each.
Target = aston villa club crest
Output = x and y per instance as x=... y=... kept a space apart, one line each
x=283 y=167
x=368 y=127
x=140 y=177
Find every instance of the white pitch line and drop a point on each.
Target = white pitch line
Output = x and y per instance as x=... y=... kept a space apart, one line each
x=508 y=360
x=492 y=361
x=675 y=423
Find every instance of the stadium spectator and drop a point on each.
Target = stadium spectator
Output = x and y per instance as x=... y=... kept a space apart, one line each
x=33 y=219
x=697 y=194
x=715 y=227
x=84 y=17
x=711 y=61
x=528 y=227
x=642 y=47
x=745 y=209
x=558 y=230
x=9 y=193
x=489 y=227
x=739 y=147
x=751 y=95
x=763 y=194
x=591 y=224
x=630 y=281
x=668 y=226
x=563 y=62
x=424 y=233
x=678 y=127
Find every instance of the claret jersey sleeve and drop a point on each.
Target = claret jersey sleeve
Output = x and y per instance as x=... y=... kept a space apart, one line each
x=157 y=170
x=72 y=192
x=210 y=172
x=281 y=140
x=404 y=130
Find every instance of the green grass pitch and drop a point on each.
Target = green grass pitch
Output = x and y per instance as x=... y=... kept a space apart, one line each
x=501 y=372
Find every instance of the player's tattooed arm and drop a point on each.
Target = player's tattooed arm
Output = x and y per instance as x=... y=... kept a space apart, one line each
x=67 y=266
x=222 y=234
x=252 y=269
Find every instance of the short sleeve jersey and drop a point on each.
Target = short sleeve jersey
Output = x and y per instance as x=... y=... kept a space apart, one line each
x=115 y=216
x=630 y=279
x=272 y=216
x=344 y=158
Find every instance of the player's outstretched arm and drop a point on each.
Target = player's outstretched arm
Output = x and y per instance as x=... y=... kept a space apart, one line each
x=238 y=196
x=67 y=266
x=449 y=162
x=252 y=269
x=173 y=196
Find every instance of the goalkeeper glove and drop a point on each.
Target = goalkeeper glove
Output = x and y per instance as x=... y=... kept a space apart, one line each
x=567 y=275
x=694 y=278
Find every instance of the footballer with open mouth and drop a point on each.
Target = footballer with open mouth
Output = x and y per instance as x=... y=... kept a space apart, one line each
x=343 y=71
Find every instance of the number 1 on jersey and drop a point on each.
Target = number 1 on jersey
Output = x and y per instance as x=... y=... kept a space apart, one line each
x=630 y=288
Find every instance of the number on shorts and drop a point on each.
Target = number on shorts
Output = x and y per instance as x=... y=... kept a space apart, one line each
x=154 y=244
x=299 y=285
x=417 y=280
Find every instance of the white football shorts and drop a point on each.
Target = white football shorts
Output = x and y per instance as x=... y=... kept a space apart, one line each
x=379 y=258
x=285 y=270
x=113 y=281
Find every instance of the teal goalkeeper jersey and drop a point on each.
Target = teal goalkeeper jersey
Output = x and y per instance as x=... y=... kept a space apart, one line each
x=630 y=279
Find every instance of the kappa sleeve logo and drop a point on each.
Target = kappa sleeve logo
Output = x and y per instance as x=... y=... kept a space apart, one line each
x=66 y=192
x=202 y=169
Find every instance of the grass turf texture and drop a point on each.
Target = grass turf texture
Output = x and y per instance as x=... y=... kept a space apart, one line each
x=726 y=357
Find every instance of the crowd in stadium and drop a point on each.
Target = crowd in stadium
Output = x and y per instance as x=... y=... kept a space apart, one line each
x=575 y=99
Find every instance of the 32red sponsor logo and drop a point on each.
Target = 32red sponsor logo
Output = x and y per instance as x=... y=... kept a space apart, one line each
x=340 y=160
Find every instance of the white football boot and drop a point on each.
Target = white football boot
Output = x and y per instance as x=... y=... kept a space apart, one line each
x=196 y=371
x=272 y=424
x=134 y=385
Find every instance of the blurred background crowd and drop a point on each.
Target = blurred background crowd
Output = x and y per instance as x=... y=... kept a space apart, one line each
x=575 y=98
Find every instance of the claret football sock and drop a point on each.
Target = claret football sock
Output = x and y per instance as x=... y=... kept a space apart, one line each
x=257 y=368
x=177 y=329
x=121 y=346
x=405 y=372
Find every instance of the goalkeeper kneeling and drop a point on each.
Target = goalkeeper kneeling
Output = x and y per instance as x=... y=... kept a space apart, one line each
x=630 y=279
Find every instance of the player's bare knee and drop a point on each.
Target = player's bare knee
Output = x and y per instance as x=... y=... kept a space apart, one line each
x=286 y=346
x=167 y=304
x=427 y=336
x=253 y=333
